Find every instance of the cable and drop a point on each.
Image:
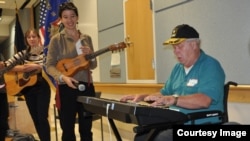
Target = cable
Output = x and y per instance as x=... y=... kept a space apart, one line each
x=107 y=113
x=107 y=109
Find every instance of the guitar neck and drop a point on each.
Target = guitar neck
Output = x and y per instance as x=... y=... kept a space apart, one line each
x=95 y=54
x=17 y=58
x=26 y=75
x=114 y=47
x=6 y=69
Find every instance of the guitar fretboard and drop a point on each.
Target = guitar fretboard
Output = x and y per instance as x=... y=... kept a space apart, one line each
x=99 y=52
x=114 y=47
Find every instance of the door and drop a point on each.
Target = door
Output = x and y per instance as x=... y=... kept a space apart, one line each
x=139 y=31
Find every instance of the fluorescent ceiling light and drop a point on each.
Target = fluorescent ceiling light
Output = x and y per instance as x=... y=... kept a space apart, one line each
x=1 y=1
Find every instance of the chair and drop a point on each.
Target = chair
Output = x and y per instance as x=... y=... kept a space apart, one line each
x=224 y=115
x=225 y=100
x=95 y=117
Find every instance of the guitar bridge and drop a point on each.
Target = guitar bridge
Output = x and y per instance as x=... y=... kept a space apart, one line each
x=65 y=68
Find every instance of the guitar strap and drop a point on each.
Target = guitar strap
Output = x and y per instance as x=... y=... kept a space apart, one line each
x=58 y=101
x=84 y=42
x=89 y=75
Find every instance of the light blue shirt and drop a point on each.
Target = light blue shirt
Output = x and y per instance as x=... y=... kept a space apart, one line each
x=206 y=76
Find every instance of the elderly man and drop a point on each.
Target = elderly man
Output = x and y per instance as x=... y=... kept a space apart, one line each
x=195 y=84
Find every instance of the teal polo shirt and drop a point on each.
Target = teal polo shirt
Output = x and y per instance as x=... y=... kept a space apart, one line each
x=206 y=76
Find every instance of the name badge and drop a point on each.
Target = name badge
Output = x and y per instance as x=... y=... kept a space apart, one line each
x=192 y=82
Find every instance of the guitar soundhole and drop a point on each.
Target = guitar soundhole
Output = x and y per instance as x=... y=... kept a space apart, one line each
x=23 y=82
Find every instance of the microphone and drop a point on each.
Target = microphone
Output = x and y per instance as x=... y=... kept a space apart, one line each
x=80 y=87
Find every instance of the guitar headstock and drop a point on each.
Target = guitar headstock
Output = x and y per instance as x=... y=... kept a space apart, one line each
x=118 y=46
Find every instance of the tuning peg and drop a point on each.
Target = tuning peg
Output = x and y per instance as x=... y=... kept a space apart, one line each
x=128 y=42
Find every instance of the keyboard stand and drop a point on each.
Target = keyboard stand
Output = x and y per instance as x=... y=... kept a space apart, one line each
x=150 y=131
x=112 y=124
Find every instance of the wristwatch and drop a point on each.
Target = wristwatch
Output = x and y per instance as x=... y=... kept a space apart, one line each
x=175 y=99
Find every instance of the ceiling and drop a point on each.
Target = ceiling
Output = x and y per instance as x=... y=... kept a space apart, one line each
x=8 y=11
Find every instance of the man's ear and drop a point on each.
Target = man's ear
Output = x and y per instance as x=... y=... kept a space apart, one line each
x=194 y=45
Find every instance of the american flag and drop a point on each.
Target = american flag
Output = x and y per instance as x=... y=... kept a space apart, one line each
x=48 y=21
x=43 y=13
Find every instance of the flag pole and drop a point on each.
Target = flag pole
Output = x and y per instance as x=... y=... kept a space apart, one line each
x=19 y=36
x=17 y=16
x=16 y=7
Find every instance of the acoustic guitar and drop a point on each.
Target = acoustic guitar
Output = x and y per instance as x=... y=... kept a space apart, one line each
x=17 y=81
x=13 y=63
x=70 y=66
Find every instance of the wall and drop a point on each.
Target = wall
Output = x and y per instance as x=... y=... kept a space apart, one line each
x=237 y=112
x=224 y=30
x=110 y=31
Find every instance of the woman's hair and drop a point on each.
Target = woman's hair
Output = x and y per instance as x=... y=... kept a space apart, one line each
x=67 y=6
x=27 y=33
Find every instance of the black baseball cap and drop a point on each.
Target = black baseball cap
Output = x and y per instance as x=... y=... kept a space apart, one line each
x=181 y=33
